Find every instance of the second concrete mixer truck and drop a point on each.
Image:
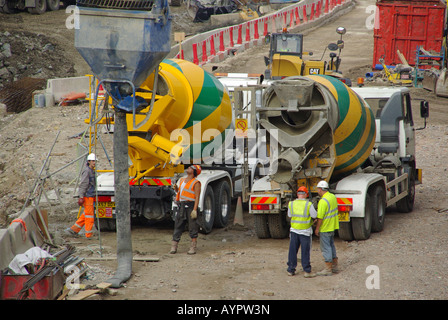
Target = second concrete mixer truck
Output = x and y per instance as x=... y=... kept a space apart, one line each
x=320 y=129
x=191 y=122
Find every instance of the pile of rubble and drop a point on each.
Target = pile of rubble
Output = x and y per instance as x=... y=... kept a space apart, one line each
x=24 y=54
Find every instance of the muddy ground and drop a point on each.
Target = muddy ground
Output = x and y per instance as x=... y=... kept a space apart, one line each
x=232 y=263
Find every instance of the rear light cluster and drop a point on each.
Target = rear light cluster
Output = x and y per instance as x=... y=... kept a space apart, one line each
x=262 y=206
x=105 y=199
x=345 y=207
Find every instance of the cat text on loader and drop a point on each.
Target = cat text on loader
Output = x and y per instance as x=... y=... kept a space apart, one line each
x=286 y=57
x=325 y=130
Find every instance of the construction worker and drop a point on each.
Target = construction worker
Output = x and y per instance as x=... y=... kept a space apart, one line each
x=86 y=193
x=301 y=211
x=187 y=199
x=327 y=223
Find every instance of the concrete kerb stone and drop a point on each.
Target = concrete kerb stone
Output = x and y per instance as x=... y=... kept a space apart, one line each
x=14 y=239
x=279 y=17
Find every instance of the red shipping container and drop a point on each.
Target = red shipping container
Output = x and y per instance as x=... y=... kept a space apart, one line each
x=404 y=25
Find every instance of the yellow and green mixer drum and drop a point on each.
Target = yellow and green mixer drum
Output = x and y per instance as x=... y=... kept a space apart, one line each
x=187 y=98
x=354 y=136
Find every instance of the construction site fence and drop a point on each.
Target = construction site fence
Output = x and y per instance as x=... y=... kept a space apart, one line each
x=214 y=46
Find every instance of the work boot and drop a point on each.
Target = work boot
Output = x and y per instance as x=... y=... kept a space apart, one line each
x=309 y=275
x=193 y=245
x=174 y=245
x=69 y=232
x=334 y=267
x=327 y=270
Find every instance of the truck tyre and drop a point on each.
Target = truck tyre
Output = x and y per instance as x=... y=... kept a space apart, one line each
x=106 y=224
x=278 y=226
x=208 y=211
x=53 y=5
x=261 y=226
x=345 y=231
x=378 y=208
x=9 y=7
x=41 y=7
x=406 y=204
x=223 y=204
x=362 y=226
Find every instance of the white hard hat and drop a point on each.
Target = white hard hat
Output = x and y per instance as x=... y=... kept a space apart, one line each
x=91 y=156
x=323 y=184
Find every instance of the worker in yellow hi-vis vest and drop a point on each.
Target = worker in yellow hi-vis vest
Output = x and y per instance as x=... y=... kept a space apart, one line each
x=302 y=213
x=327 y=223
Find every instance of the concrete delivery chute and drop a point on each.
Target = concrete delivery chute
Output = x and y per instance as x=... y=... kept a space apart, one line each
x=327 y=131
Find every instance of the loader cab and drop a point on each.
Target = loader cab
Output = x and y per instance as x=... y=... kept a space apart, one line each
x=287 y=58
x=285 y=55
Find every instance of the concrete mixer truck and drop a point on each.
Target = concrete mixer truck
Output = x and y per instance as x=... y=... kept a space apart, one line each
x=191 y=122
x=324 y=130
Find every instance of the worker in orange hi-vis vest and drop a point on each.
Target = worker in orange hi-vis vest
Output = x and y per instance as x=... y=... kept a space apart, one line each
x=187 y=199
x=86 y=192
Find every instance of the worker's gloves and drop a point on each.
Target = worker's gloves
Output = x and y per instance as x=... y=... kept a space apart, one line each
x=81 y=202
x=194 y=214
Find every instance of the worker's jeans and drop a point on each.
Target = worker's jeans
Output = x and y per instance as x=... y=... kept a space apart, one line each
x=327 y=246
x=183 y=217
x=296 y=241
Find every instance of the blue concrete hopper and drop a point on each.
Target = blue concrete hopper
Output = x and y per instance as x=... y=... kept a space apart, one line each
x=123 y=46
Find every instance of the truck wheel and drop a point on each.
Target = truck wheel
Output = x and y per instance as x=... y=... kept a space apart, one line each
x=345 y=231
x=278 y=226
x=106 y=224
x=9 y=7
x=208 y=212
x=41 y=7
x=378 y=208
x=261 y=226
x=53 y=5
x=406 y=204
x=223 y=204
x=362 y=226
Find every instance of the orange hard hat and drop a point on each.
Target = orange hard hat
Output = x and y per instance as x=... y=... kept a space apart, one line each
x=196 y=168
x=303 y=189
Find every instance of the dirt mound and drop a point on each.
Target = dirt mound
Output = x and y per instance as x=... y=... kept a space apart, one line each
x=26 y=54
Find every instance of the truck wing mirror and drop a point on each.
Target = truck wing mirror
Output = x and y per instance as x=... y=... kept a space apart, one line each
x=266 y=61
x=424 y=109
x=333 y=47
x=424 y=112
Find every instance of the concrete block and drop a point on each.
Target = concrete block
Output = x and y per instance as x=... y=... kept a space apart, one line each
x=62 y=86
x=227 y=19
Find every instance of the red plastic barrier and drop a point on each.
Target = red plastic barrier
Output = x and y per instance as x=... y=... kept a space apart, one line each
x=212 y=46
x=195 y=53
x=221 y=41
x=296 y=12
x=312 y=12
x=256 y=35
x=247 y=31
x=231 y=43
x=240 y=34
x=204 y=51
x=326 y=6
x=305 y=18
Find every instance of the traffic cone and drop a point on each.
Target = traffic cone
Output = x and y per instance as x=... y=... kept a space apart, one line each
x=239 y=213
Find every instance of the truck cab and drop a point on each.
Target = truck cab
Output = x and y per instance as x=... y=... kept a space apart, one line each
x=395 y=131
